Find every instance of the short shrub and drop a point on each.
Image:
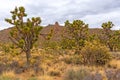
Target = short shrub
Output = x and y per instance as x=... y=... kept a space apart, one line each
x=67 y=60
x=70 y=75
x=54 y=73
x=74 y=59
x=78 y=74
x=95 y=53
x=77 y=59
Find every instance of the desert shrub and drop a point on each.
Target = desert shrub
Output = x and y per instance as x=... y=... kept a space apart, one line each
x=50 y=44
x=67 y=60
x=77 y=59
x=5 y=48
x=76 y=74
x=95 y=53
x=67 y=44
x=74 y=59
x=70 y=75
x=9 y=49
x=54 y=73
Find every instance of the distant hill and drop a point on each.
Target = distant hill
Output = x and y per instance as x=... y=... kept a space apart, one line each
x=58 y=30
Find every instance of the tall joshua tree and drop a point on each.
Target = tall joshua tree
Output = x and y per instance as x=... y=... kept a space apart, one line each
x=108 y=34
x=78 y=33
x=24 y=34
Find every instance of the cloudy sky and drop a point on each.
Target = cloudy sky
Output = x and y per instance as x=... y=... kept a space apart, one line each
x=92 y=12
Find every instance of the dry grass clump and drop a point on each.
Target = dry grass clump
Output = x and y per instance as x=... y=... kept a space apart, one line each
x=46 y=77
x=103 y=75
x=115 y=64
x=54 y=72
x=33 y=78
x=56 y=69
x=73 y=59
x=85 y=73
x=8 y=75
x=116 y=55
x=76 y=74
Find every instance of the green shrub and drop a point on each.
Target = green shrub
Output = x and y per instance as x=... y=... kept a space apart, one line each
x=67 y=43
x=50 y=44
x=95 y=53
x=5 y=48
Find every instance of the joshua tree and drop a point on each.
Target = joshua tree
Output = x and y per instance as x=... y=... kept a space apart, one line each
x=24 y=34
x=108 y=34
x=77 y=31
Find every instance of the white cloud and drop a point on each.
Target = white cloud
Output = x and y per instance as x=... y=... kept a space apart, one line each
x=98 y=19
x=93 y=12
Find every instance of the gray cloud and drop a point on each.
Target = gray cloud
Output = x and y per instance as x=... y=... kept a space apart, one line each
x=93 y=12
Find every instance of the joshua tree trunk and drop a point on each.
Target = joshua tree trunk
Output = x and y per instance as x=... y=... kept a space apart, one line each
x=28 y=55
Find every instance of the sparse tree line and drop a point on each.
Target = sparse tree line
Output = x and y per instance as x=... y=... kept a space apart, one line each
x=92 y=48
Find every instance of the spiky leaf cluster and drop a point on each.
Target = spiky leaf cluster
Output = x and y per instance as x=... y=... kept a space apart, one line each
x=24 y=34
x=77 y=31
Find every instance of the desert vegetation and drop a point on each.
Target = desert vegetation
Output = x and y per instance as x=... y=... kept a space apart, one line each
x=69 y=52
